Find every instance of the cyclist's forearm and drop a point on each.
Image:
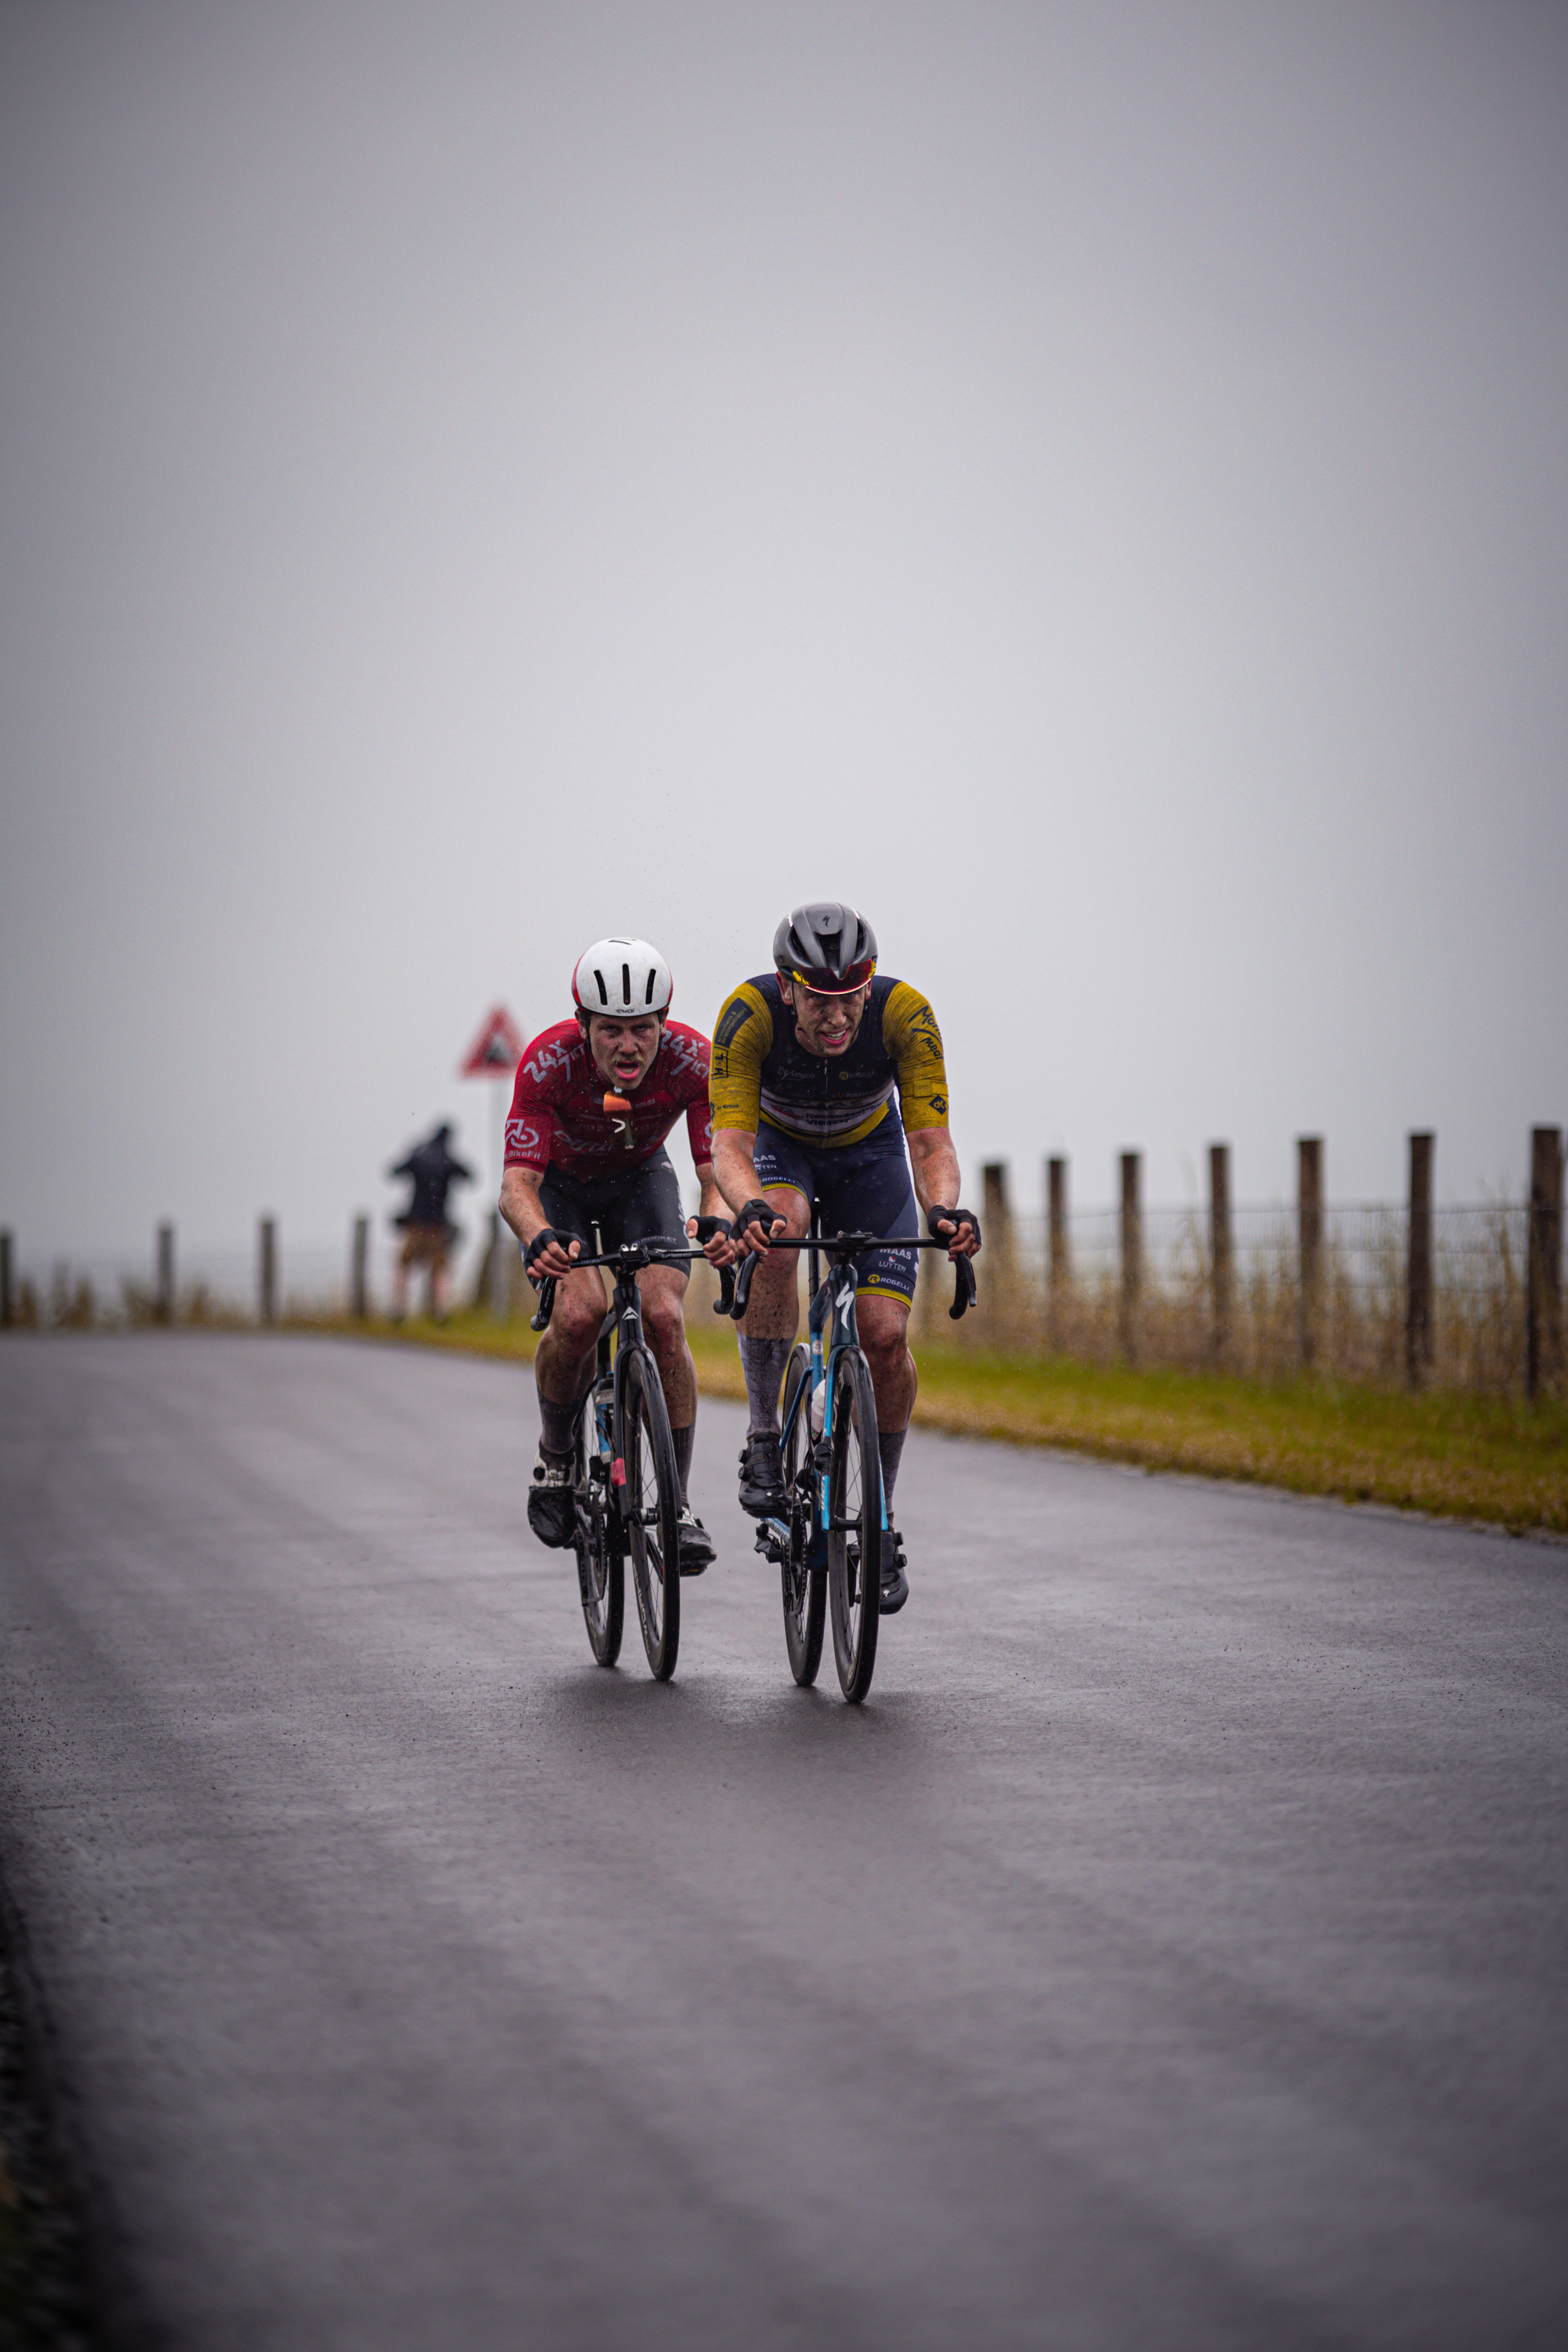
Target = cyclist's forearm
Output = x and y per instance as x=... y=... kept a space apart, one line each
x=934 y=1164
x=520 y=1202
x=712 y=1203
x=734 y=1171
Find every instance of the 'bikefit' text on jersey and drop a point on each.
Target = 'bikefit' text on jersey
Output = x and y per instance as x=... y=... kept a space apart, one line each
x=558 y=1116
x=760 y=1071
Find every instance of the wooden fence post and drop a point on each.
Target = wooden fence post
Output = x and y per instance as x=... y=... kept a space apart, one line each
x=7 y=1301
x=164 y=1297
x=359 y=1270
x=1131 y=1254
x=1543 y=1286
x=1221 y=1256
x=1310 y=1241
x=1418 y=1278
x=266 y=1271
x=1001 y=1311
x=1058 y=1266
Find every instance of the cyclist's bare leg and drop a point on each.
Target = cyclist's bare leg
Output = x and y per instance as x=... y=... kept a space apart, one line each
x=883 y=1324
x=772 y=1311
x=663 y=1289
x=772 y=1317
x=563 y=1361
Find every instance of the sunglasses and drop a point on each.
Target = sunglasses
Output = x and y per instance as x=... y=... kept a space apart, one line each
x=855 y=977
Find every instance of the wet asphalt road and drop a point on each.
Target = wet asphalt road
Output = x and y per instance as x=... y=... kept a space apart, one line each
x=1171 y=1953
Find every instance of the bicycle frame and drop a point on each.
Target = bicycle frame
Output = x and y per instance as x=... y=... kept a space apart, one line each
x=832 y=1309
x=625 y=1479
x=623 y=1322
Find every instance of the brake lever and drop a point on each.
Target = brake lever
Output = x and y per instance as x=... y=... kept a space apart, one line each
x=540 y=1319
x=964 y=1292
x=743 y=1285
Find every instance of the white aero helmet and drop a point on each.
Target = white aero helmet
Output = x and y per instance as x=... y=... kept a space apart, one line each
x=622 y=979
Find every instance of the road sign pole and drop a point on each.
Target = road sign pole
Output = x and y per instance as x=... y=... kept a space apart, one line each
x=498 y=1232
x=494 y=1055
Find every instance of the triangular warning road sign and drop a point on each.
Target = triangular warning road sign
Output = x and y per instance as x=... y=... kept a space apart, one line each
x=497 y=1050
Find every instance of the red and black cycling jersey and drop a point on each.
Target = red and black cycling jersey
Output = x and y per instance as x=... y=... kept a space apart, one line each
x=558 y=1118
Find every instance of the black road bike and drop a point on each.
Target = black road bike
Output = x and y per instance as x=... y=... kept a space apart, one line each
x=829 y=1546
x=626 y=1488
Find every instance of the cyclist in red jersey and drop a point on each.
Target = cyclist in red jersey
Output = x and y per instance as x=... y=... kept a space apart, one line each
x=594 y=1100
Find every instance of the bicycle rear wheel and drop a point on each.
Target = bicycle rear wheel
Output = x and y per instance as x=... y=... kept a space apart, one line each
x=804 y=1592
x=854 y=1532
x=650 y=1508
x=601 y=1571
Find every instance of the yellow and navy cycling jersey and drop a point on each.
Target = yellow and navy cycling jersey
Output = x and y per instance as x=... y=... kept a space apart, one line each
x=760 y=1071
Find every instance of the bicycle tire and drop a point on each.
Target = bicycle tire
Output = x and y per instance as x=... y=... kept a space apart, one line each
x=804 y=1590
x=854 y=1534
x=600 y=1568
x=650 y=1508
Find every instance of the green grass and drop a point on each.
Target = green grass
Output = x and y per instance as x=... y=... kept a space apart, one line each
x=1461 y=1456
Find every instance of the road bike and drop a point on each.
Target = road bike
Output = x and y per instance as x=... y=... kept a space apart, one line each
x=625 y=1487
x=828 y=1544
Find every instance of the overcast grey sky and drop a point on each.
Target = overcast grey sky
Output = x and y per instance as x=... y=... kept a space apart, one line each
x=1089 y=484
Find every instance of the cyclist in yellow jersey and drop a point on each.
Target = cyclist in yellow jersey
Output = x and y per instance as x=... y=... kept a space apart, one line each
x=806 y=1061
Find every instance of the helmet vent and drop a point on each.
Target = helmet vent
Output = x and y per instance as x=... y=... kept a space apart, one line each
x=604 y=991
x=647 y=993
x=626 y=986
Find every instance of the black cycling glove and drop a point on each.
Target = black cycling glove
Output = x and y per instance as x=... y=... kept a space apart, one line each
x=540 y=1243
x=755 y=1213
x=939 y=1216
x=708 y=1226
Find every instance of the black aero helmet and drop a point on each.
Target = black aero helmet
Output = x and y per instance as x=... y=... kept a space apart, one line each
x=828 y=947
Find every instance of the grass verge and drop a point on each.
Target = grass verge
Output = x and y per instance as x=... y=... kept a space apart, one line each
x=1459 y=1456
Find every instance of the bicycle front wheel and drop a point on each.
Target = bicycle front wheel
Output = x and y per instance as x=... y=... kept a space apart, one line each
x=804 y=1593
x=855 y=1529
x=650 y=1508
x=601 y=1572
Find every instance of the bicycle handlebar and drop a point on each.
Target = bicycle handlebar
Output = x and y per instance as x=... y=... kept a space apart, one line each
x=848 y=1245
x=630 y=1258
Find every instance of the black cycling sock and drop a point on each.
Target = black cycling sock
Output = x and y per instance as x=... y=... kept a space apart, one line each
x=558 y=1424
x=890 y=1446
x=763 y=1361
x=683 y=1438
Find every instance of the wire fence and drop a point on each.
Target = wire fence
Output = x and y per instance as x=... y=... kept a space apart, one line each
x=311 y=1279
x=1346 y=1314
x=1346 y=1317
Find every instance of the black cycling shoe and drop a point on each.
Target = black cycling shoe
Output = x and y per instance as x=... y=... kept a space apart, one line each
x=696 y=1550
x=762 y=1476
x=895 y=1583
x=551 y=1513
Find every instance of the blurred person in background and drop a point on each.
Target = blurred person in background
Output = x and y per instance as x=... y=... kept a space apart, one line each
x=429 y=1234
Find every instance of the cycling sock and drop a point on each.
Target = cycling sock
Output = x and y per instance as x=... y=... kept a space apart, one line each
x=558 y=1424
x=890 y=1446
x=683 y=1438
x=763 y=1361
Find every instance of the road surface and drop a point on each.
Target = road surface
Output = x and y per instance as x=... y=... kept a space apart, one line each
x=1171 y=1954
